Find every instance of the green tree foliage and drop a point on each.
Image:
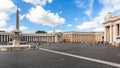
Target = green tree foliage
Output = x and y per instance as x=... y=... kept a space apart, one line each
x=39 y=31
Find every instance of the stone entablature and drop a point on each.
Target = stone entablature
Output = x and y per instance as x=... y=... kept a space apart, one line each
x=111 y=19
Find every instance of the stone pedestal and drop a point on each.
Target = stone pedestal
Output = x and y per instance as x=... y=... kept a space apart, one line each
x=16 y=42
x=16 y=37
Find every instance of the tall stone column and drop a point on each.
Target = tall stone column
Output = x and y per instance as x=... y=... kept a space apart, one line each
x=25 y=38
x=105 y=31
x=108 y=34
x=119 y=29
x=115 y=32
x=111 y=34
x=7 y=38
x=52 y=39
x=33 y=38
x=28 y=39
x=56 y=37
x=1 y=38
x=17 y=19
x=47 y=39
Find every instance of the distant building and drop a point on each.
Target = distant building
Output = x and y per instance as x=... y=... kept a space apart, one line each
x=32 y=37
x=112 y=28
x=54 y=37
x=83 y=37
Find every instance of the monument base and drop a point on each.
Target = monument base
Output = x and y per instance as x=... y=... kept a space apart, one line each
x=16 y=43
x=116 y=44
x=13 y=48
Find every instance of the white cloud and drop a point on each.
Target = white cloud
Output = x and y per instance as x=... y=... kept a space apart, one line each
x=60 y=12
x=22 y=16
x=50 y=1
x=87 y=25
x=69 y=25
x=40 y=16
x=89 y=10
x=3 y=23
x=22 y=28
x=96 y=23
x=3 y=16
x=75 y=19
x=54 y=31
x=7 y=7
x=80 y=3
x=86 y=4
x=11 y=28
x=99 y=29
x=38 y=2
x=29 y=32
x=58 y=31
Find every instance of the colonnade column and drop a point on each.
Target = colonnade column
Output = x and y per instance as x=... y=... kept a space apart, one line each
x=52 y=39
x=116 y=31
x=7 y=38
x=26 y=38
x=1 y=38
x=29 y=38
x=111 y=35
x=105 y=35
x=119 y=29
x=108 y=34
x=4 y=38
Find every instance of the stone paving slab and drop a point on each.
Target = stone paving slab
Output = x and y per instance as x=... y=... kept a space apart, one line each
x=98 y=51
x=42 y=59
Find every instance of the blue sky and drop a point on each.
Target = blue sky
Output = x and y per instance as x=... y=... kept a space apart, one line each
x=59 y=15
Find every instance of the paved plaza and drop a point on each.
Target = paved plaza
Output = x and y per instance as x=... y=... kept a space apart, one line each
x=44 y=59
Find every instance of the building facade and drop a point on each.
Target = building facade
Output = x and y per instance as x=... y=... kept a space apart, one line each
x=83 y=37
x=71 y=37
x=6 y=37
x=112 y=28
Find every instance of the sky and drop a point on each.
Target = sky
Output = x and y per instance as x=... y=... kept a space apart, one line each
x=57 y=15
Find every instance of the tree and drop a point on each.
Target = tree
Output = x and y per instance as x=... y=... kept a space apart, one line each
x=39 y=31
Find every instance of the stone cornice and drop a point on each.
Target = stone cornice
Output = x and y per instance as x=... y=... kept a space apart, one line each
x=113 y=19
